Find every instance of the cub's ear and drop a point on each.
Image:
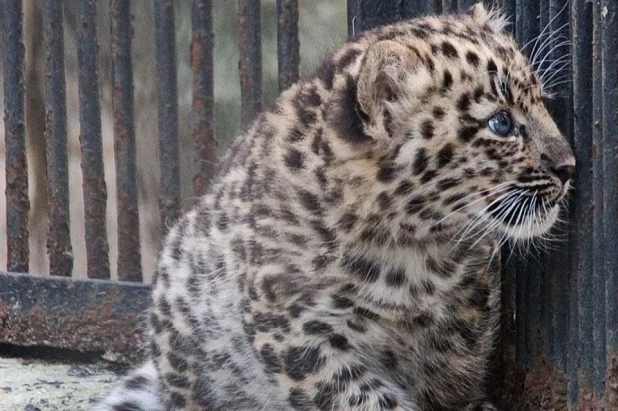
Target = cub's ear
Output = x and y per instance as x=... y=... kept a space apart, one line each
x=492 y=17
x=383 y=74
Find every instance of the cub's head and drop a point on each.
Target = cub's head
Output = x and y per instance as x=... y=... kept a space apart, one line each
x=453 y=115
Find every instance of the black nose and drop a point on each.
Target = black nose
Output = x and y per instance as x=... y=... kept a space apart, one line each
x=564 y=173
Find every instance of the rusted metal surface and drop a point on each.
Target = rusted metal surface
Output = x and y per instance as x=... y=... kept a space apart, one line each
x=250 y=64
x=288 y=46
x=167 y=111
x=592 y=349
x=129 y=259
x=95 y=190
x=202 y=46
x=58 y=234
x=583 y=207
x=609 y=101
x=84 y=315
x=17 y=204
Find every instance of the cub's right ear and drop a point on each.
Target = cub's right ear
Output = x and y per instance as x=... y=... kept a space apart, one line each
x=383 y=75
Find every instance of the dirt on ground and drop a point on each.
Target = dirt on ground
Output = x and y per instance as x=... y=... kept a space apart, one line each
x=35 y=385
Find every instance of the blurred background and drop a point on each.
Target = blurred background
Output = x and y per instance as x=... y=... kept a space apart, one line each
x=322 y=27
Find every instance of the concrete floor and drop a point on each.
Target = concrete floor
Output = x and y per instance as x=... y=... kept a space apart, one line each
x=32 y=385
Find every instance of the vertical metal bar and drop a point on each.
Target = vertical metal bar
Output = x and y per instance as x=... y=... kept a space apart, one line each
x=249 y=28
x=464 y=5
x=527 y=274
x=355 y=18
x=609 y=59
x=202 y=46
x=167 y=112
x=129 y=263
x=288 y=46
x=449 y=6
x=415 y=8
x=59 y=236
x=95 y=191
x=17 y=204
x=544 y=281
x=584 y=205
x=562 y=111
x=592 y=305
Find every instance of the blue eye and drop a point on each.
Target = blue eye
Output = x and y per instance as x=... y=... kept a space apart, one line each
x=501 y=124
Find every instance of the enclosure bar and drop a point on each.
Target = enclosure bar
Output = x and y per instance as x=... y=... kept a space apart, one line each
x=560 y=273
x=543 y=340
x=250 y=47
x=17 y=203
x=609 y=59
x=129 y=258
x=58 y=234
x=95 y=316
x=449 y=6
x=167 y=112
x=592 y=303
x=365 y=15
x=464 y=5
x=202 y=46
x=527 y=270
x=95 y=191
x=581 y=18
x=416 y=8
x=288 y=46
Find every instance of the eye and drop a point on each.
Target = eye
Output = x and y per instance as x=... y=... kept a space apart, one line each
x=501 y=124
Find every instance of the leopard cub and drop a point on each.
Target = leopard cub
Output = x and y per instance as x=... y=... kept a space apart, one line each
x=346 y=256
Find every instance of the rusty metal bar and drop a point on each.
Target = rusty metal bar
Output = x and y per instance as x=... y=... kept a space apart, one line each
x=250 y=47
x=84 y=315
x=59 y=235
x=609 y=99
x=129 y=259
x=17 y=204
x=592 y=305
x=95 y=191
x=168 y=112
x=561 y=108
x=288 y=46
x=584 y=204
x=526 y=271
x=202 y=46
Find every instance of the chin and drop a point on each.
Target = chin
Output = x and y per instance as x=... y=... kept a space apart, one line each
x=528 y=230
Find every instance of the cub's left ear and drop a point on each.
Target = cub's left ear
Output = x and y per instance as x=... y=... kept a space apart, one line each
x=492 y=17
x=383 y=75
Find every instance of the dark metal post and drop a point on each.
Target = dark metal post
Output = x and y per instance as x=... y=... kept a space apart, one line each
x=95 y=191
x=250 y=64
x=288 y=46
x=129 y=263
x=17 y=204
x=59 y=235
x=609 y=101
x=203 y=95
x=449 y=6
x=168 y=112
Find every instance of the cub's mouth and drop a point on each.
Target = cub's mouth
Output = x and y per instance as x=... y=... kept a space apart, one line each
x=526 y=213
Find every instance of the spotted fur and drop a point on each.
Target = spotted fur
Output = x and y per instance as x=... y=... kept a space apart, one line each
x=346 y=256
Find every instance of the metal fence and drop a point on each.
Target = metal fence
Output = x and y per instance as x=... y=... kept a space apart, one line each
x=559 y=345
